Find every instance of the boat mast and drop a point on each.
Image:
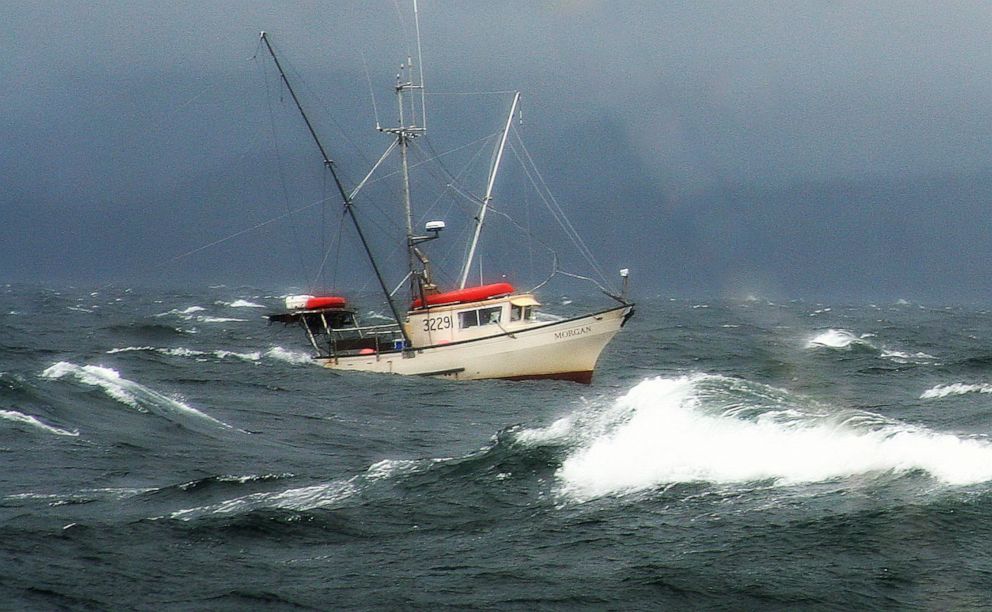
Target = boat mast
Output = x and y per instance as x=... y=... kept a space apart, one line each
x=406 y=130
x=348 y=204
x=489 y=193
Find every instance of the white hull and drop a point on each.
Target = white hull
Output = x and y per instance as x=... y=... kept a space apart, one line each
x=563 y=349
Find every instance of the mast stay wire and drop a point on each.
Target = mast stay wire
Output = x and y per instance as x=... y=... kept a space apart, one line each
x=282 y=176
x=552 y=203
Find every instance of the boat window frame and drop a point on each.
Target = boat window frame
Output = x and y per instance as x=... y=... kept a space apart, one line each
x=521 y=313
x=480 y=317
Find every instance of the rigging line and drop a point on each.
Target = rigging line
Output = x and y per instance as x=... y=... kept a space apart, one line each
x=326 y=110
x=564 y=221
x=554 y=213
x=327 y=253
x=337 y=253
x=576 y=237
x=471 y=93
x=340 y=187
x=451 y=183
x=358 y=188
x=282 y=176
x=403 y=27
x=481 y=141
x=323 y=225
x=368 y=77
x=435 y=158
x=420 y=66
x=318 y=102
x=556 y=270
x=242 y=232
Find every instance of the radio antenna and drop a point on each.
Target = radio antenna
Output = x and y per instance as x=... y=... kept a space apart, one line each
x=420 y=66
x=375 y=110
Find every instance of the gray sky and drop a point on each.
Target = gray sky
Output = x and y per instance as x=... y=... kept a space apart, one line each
x=790 y=148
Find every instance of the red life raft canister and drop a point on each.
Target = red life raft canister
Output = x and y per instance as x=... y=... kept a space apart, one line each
x=309 y=302
x=468 y=294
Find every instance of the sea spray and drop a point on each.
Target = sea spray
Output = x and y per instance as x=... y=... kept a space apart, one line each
x=670 y=435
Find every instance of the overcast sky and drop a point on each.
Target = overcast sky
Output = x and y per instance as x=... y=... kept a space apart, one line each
x=719 y=147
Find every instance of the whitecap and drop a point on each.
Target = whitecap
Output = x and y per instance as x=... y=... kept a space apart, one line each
x=836 y=339
x=185 y=314
x=666 y=431
x=129 y=349
x=253 y=356
x=130 y=393
x=941 y=391
x=295 y=357
x=904 y=357
x=244 y=304
x=209 y=319
x=303 y=498
x=19 y=417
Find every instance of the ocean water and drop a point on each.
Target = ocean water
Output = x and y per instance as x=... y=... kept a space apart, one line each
x=170 y=450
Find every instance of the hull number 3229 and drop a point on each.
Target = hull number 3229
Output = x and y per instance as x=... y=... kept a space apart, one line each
x=437 y=323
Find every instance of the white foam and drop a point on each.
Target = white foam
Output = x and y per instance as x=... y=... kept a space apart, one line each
x=13 y=415
x=209 y=319
x=295 y=357
x=662 y=432
x=314 y=496
x=245 y=304
x=388 y=468
x=253 y=356
x=96 y=376
x=128 y=392
x=836 y=339
x=904 y=357
x=190 y=314
x=185 y=352
x=128 y=349
x=941 y=391
x=303 y=498
x=186 y=314
x=842 y=339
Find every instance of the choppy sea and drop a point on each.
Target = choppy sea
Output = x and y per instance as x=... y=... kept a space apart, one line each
x=170 y=450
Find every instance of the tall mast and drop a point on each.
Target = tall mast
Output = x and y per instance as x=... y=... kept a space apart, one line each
x=348 y=205
x=405 y=131
x=489 y=193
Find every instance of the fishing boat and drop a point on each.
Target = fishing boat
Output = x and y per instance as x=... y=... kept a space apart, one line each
x=465 y=332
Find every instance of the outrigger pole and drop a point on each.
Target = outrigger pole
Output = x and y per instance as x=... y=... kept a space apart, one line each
x=348 y=205
x=481 y=217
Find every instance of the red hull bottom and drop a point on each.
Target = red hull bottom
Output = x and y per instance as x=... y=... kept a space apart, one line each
x=584 y=378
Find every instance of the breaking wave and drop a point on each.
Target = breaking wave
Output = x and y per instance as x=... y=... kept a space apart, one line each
x=844 y=340
x=705 y=428
x=240 y=304
x=309 y=497
x=276 y=353
x=941 y=391
x=130 y=393
x=18 y=417
x=190 y=314
x=838 y=339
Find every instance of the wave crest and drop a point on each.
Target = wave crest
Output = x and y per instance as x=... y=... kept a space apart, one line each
x=704 y=428
x=130 y=393
x=19 y=417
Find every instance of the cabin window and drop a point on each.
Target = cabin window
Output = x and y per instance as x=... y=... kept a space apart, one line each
x=518 y=313
x=482 y=316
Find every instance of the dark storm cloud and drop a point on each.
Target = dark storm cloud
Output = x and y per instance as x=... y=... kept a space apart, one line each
x=792 y=147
